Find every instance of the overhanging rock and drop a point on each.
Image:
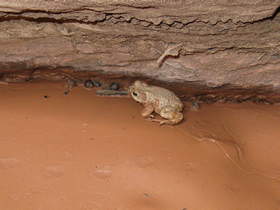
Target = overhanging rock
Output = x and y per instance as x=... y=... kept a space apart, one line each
x=222 y=47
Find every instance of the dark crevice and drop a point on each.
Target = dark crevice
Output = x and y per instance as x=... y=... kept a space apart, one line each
x=275 y=13
x=187 y=91
x=43 y=20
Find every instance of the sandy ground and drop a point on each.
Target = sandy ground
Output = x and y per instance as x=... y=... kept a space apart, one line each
x=82 y=152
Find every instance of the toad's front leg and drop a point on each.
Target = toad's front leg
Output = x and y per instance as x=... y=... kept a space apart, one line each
x=147 y=111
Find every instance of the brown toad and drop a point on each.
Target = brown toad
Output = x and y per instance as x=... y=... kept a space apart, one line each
x=159 y=100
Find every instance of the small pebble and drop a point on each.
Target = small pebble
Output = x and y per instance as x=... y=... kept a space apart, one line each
x=114 y=86
x=88 y=84
x=195 y=106
x=96 y=83
x=46 y=96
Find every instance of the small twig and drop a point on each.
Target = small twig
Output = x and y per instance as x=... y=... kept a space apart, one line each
x=261 y=56
x=111 y=92
x=173 y=50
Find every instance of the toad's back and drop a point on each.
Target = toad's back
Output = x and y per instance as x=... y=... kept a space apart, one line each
x=161 y=97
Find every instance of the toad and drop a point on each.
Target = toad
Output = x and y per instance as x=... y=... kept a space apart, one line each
x=159 y=100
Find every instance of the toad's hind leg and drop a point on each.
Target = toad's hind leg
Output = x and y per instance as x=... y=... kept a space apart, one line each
x=171 y=115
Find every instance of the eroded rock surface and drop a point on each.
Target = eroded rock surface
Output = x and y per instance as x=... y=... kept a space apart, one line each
x=233 y=47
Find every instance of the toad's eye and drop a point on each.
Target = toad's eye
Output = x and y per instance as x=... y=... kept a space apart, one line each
x=135 y=94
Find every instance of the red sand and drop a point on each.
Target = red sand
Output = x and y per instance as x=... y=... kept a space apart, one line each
x=82 y=152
